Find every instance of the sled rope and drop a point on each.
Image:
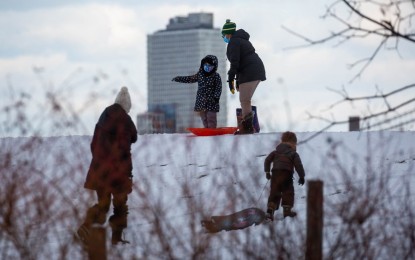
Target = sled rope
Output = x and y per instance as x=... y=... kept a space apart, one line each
x=260 y=195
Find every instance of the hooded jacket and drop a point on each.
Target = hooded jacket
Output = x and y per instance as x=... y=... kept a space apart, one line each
x=284 y=157
x=111 y=166
x=245 y=62
x=209 y=84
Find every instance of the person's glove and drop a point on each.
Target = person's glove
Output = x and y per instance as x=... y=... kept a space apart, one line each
x=268 y=175
x=237 y=85
x=301 y=181
x=231 y=85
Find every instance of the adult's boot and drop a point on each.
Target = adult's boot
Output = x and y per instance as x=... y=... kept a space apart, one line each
x=247 y=125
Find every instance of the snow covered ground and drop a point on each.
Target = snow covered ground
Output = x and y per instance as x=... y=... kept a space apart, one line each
x=180 y=179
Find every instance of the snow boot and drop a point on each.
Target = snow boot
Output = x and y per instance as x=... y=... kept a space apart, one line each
x=118 y=221
x=117 y=237
x=269 y=215
x=95 y=215
x=288 y=212
x=247 y=125
x=83 y=234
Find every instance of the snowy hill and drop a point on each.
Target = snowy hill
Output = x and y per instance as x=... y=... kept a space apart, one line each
x=180 y=179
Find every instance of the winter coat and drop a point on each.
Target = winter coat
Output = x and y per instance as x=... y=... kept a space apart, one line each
x=111 y=166
x=245 y=62
x=284 y=157
x=209 y=86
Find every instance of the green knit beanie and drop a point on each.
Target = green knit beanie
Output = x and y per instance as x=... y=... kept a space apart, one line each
x=229 y=27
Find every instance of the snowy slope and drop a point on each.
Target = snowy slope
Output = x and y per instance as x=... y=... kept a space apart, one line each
x=180 y=179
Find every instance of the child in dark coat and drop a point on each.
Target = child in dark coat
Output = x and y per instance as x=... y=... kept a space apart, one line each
x=208 y=91
x=283 y=159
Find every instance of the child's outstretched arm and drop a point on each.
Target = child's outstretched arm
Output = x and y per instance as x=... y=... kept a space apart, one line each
x=185 y=79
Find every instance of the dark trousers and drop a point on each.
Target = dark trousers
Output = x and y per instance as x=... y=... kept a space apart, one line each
x=282 y=190
x=97 y=213
x=209 y=119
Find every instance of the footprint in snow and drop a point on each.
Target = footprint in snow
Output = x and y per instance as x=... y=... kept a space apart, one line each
x=335 y=193
x=402 y=161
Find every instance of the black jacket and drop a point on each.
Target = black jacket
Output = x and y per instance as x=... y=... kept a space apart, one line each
x=209 y=87
x=245 y=62
x=284 y=157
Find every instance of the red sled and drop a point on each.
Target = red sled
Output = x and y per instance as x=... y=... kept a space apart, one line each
x=213 y=131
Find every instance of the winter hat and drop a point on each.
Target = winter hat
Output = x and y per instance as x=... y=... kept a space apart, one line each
x=229 y=27
x=123 y=99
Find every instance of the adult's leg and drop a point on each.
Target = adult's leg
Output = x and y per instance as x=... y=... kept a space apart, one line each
x=246 y=91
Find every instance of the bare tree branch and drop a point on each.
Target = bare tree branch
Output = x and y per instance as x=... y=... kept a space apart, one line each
x=347 y=98
x=384 y=28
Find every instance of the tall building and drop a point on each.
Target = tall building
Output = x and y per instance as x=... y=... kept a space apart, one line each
x=177 y=51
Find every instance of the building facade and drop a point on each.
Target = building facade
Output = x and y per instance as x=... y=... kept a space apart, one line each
x=177 y=51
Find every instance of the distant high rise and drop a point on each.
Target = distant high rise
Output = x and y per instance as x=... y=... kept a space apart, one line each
x=177 y=51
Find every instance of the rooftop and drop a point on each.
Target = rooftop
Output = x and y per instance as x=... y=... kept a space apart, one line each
x=192 y=21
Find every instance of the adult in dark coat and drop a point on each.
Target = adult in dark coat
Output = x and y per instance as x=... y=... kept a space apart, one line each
x=246 y=67
x=110 y=171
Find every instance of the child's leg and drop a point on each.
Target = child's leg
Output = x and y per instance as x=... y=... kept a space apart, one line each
x=211 y=118
x=288 y=196
x=118 y=221
x=119 y=217
x=288 y=199
x=274 y=198
x=96 y=214
x=203 y=117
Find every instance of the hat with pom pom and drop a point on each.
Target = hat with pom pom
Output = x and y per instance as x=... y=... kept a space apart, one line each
x=229 y=27
x=123 y=99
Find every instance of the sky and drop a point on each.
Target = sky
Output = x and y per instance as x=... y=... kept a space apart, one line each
x=87 y=50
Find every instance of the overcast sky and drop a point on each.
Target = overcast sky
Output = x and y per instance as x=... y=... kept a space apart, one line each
x=83 y=47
